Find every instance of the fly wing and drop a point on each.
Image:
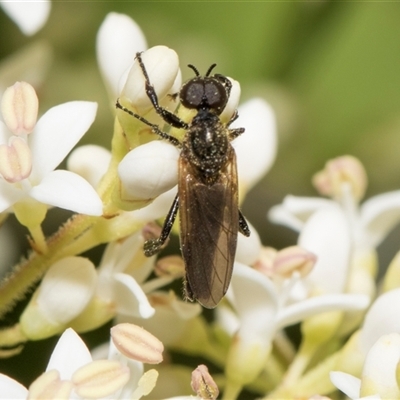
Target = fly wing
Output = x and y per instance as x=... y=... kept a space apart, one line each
x=209 y=219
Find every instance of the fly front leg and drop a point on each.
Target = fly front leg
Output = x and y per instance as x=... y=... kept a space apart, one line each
x=153 y=246
x=169 y=117
x=154 y=127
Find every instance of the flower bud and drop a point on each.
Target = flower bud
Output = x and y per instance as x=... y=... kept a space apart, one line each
x=339 y=171
x=100 y=378
x=15 y=160
x=64 y=292
x=136 y=343
x=90 y=162
x=149 y=170
x=162 y=66
x=19 y=107
x=256 y=149
x=203 y=384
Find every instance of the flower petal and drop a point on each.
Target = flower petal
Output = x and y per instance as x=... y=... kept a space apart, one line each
x=9 y=195
x=118 y=40
x=346 y=383
x=294 y=210
x=67 y=190
x=69 y=354
x=379 y=215
x=29 y=15
x=256 y=147
x=11 y=389
x=57 y=132
x=326 y=234
x=255 y=300
x=297 y=312
x=130 y=298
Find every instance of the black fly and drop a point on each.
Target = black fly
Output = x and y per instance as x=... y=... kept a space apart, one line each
x=207 y=196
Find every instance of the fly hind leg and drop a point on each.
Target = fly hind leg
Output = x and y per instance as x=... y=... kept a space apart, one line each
x=243 y=226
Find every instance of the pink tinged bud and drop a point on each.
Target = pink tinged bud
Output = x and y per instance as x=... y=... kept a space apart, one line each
x=136 y=343
x=100 y=378
x=50 y=386
x=15 y=160
x=19 y=107
x=203 y=383
x=340 y=170
x=293 y=259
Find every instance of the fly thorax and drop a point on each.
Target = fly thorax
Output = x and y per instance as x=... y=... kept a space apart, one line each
x=206 y=144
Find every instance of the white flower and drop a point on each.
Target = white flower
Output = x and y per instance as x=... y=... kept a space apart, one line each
x=72 y=374
x=116 y=287
x=31 y=151
x=121 y=275
x=369 y=223
x=29 y=15
x=260 y=310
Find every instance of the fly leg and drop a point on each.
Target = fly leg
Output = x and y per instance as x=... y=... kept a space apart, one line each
x=169 y=117
x=154 y=127
x=153 y=246
x=234 y=132
x=243 y=226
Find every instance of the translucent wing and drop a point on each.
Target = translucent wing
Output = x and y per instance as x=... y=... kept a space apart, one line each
x=209 y=218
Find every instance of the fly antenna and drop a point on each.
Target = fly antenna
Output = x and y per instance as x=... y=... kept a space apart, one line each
x=210 y=69
x=196 y=71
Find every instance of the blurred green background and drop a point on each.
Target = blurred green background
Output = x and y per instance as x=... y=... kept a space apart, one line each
x=331 y=71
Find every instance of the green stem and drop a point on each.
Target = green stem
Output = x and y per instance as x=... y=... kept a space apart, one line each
x=25 y=274
x=39 y=241
x=314 y=381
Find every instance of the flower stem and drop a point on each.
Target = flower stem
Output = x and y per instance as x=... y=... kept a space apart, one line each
x=231 y=391
x=39 y=241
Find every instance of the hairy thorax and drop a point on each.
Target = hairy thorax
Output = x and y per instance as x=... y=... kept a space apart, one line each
x=206 y=145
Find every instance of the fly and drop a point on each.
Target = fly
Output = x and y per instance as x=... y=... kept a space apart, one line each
x=207 y=197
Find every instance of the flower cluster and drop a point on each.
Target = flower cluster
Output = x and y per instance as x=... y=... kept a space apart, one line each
x=325 y=283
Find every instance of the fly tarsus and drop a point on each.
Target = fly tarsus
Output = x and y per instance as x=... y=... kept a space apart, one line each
x=152 y=247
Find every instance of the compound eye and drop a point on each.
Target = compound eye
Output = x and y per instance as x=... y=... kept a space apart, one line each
x=215 y=94
x=192 y=93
